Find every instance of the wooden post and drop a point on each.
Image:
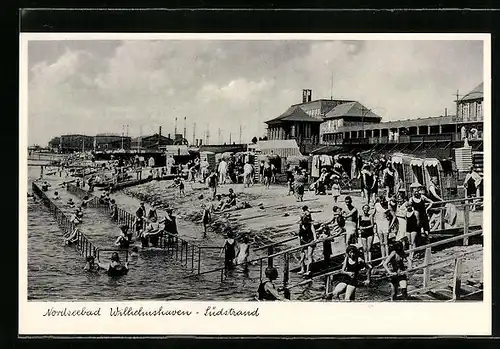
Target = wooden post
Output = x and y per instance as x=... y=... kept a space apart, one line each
x=261 y=270
x=270 y=251
x=328 y=286
x=286 y=275
x=427 y=270
x=466 y=222
x=199 y=260
x=222 y=274
x=187 y=250
x=457 y=279
x=192 y=258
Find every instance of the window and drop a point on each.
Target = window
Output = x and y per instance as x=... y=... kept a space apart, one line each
x=479 y=110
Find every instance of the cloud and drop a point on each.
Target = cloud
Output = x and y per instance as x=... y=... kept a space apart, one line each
x=99 y=86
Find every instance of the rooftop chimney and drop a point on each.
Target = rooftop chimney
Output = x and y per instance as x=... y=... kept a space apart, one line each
x=306 y=95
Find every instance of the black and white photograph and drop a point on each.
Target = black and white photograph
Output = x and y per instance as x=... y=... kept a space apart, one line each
x=256 y=169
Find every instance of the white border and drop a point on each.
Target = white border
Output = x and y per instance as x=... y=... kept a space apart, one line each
x=293 y=318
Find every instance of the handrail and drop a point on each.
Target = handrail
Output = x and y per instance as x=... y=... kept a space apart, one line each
x=423 y=266
x=437 y=243
x=275 y=243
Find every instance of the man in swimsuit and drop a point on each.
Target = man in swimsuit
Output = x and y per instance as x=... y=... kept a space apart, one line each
x=267 y=291
x=397 y=270
x=351 y=221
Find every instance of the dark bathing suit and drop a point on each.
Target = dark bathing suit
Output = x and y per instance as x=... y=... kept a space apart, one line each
x=411 y=223
x=229 y=252
x=117 y=271
x=420 y=208
x=397 y=264
x=365 y=221
x=265 y=295
x=353 y=268
x=306 y=235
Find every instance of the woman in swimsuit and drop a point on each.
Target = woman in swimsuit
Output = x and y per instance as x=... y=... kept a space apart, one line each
x=421 y=204
x=138 y=225
x=366 y=232
x=90 y=265
x=115 y=267
x=367 y=180
x=351 y=221
x=206 y=217
x=229 y=250
x=382 y=224
x=351 y=267
x=123 y=240
x=267 y=291
x=307 y=234
x=412 y=228
x=395 y=267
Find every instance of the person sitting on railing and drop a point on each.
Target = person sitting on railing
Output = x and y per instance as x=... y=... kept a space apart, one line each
x=123 y=239
x=267 y=291
x=56 y=196
x=394 y=264
x=351 y=267
x=307 y=234
x=170 y=227
x=139 y=224
x=115 y=267
x=72 y=237
x=90 y=265
x=152 y=232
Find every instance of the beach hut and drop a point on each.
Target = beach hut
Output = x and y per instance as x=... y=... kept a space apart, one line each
x=446 y=173
x=209 y=157
x=409 y=170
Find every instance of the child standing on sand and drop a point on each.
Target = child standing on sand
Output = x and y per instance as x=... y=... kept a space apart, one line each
x=335 y=189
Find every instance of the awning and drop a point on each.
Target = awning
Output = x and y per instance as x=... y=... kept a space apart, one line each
x=416 y=162
x=432 y=162
x=397 y=160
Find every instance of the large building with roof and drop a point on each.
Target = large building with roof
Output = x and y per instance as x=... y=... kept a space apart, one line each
x=309 y=121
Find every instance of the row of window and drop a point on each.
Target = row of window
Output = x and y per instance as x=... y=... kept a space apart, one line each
x=471 y=111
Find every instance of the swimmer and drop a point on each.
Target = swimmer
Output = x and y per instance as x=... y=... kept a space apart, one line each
x=56 y=196
x=90 y=265
x=123 y=240
x=72 y=238
x=45 y=186
x=85 y=201
x=229 y=249
x=267 y=290
x=71 y=203
x=75 y=219
x=135 y=252
x=115 y=267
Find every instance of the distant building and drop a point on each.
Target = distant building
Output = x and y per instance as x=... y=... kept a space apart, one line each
x=75 y=143
x=109 y=141
x=54 y=143
x=470 y=112
x=155 y=141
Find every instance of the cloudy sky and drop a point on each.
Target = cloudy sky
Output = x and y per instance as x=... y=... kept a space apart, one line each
x=91 y=87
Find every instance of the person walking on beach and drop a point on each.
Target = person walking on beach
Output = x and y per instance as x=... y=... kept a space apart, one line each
x=243 y=252
x=335 y=190
x=412 y=228
x=206 y=217
x=248 y=174
x=367 y=180
x=170 y=225
x=222 y=168
x=268 y=173
x=212 y=184
x=388 y=179
x=267 y=290
x=394 y=264
x=299 y=185
x=289 y=179
x=421 y=204
x=123 y=240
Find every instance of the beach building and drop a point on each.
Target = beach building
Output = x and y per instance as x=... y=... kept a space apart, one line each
x=308 y=122
x=111 y=141
x=468 y=122
x=75 y=142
